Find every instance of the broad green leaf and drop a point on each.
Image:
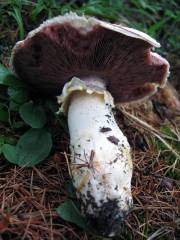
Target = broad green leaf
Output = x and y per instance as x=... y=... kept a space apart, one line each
x=13 y=81
x=10 y=153
x=7 y=78
x=33 y=114
x=33 y=147
x=4 y=73
x=69 y=212
x=70 y=189
x=6 y=140
x=18 y=95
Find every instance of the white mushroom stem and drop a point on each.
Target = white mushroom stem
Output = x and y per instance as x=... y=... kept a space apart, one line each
x=101 y=164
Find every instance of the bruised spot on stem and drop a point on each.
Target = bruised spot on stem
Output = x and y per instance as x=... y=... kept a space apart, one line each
x=113 y=140
x=105 y=129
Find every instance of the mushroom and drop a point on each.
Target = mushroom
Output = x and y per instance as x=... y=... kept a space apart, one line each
x=90 y=65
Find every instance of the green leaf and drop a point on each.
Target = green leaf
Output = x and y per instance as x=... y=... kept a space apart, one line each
x=18 y=95
x=10 y=140
x=7 y=78
x=34 y=115
x=4 y=73
x=38 y=8
x=69 y=212
x=70 y=189
x=33 y=147
x=10 y=153
x=16 y=14
x=169 y=132
x=5 y=140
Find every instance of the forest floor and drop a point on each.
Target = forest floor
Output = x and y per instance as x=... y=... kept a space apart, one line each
x=29 y=196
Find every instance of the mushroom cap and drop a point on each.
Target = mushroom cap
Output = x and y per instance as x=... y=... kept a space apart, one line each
x=77 y=46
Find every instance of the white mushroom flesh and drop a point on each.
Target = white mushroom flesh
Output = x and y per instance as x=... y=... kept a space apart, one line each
x=101 y=164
